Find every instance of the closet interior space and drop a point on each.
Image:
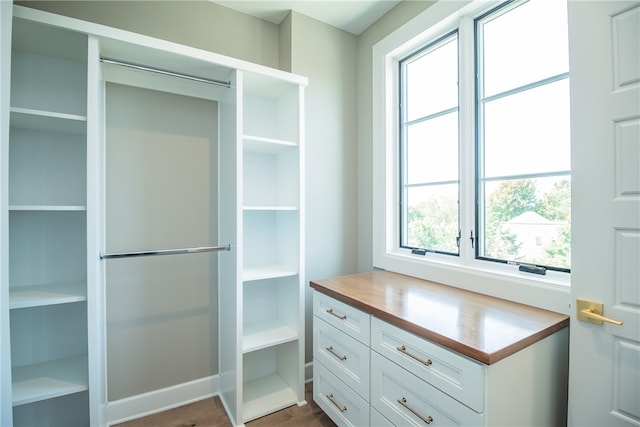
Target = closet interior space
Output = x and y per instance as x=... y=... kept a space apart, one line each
x=62 y=225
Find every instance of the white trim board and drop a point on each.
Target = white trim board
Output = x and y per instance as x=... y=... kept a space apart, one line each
x=161 y=400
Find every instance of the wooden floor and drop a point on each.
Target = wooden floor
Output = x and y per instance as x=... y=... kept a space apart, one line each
x=210 y=413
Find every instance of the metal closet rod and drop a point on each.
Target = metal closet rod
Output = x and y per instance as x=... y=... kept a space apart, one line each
x=166 y=252
x=170 y=73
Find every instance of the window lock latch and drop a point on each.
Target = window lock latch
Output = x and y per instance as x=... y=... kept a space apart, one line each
x=473 y=239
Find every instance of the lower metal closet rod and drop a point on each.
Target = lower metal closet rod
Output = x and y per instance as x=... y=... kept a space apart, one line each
x=166 y=252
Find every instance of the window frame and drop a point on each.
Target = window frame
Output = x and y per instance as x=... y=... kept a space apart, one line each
x=481 y=98
x=403 y=139
x=464 y=271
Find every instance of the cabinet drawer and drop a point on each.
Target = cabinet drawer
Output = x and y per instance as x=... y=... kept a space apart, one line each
x=342 y=404
x=343 y=355
x=448 y=371
x=344 y=317
x=377 y=420
x=406 y=400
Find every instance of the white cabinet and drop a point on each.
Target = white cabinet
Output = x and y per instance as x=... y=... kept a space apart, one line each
x=456 y=375
x=53 y=279
x=47 y=226
x=366 y=353
x=344 y=355
x=341 y=356
x=343 y=405
x=262 y=294
x=414 y=380
x=272 y=248
x=409 y=401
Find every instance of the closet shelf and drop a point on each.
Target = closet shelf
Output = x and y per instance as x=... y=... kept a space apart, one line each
x=49 y=294
x=257 y=144
x=266 y=334
x=268 y=272
x=265 y=395
x=41 y=381
x=27 y=118
x=52 y=208
x=269 y=208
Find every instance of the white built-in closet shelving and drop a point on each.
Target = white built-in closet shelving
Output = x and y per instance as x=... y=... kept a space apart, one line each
x=272 y=250
x=53 y=221
x=47 y=277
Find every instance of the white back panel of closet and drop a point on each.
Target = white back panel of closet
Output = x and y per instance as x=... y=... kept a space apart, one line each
x=161 y=193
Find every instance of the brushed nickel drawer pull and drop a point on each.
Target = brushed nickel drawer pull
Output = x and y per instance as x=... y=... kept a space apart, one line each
x=330 y=350
x=341 y=408
x=403 y=349
x=427 y=420
x=341 y=317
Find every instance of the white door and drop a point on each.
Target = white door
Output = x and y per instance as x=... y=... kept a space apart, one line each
x=604 y=378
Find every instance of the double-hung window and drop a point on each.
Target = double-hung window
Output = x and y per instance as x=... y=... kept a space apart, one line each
x=474 y=145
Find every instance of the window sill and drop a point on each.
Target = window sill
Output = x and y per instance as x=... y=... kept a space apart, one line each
x=551 y=292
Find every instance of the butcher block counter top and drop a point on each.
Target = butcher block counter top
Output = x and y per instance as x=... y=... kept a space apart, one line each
x=484 y=328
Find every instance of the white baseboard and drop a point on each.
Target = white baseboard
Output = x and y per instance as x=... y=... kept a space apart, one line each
x=160 y=400
x=308 y=372
x=171 y=397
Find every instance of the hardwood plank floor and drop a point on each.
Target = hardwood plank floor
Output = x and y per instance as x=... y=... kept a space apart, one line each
x=210 y=413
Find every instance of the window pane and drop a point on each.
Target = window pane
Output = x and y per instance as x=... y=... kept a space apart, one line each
x=430 y=154
x=524 y=45
x=432 y=213
x=432 y=150
x=528 y=221
x=528 y=132
x=432 y=81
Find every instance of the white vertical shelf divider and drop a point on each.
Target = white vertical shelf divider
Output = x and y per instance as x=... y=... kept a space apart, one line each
x=6 y=16
x=96 y=299
x=230 y=217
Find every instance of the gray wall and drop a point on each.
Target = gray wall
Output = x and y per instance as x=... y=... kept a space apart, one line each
x=326 y=55
x=392 y=20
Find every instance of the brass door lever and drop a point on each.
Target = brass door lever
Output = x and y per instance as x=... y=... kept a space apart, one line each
x=590 y=311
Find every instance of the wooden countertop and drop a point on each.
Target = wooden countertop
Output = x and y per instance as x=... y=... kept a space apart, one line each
x=478 y=326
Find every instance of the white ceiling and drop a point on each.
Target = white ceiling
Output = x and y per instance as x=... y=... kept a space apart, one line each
x=353 y=16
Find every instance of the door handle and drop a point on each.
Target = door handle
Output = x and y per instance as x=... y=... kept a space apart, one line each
x=590 y=311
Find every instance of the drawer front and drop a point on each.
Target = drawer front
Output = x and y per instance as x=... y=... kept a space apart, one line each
x=344 y=317
x=343 y=405
x=377 y=420
x=343 y=355
x=456 y=375
x=406 y=400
